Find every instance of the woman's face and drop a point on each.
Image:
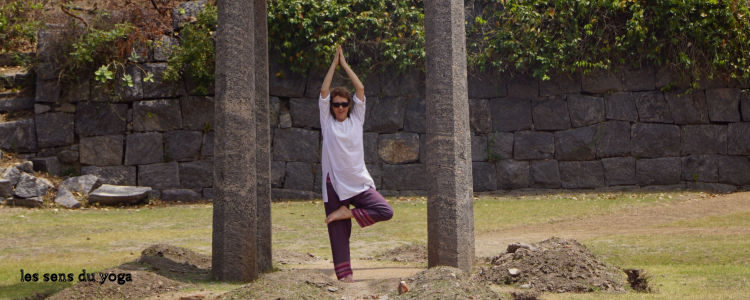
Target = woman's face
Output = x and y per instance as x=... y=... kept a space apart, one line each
x=340 y=112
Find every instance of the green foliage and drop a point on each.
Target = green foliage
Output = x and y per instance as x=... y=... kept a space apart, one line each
x=543 y=37
x=374 y=34
x=19 y=24
x=195 y=55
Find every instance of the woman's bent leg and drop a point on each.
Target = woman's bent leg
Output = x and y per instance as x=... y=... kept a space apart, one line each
x=371 y=207
x=339 y=233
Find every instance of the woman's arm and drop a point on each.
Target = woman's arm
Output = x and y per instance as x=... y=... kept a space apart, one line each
x=326 y=87
x=359 y=88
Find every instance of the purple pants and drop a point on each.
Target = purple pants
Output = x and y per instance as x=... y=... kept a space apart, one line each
x=370 y=207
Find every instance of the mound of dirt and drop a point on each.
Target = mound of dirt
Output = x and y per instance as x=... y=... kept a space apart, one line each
x=406 y=253
x=289 y=284
x=176 y=262
x=144 y=284
x=446 y=283
x=554 y=265
x=285 y=257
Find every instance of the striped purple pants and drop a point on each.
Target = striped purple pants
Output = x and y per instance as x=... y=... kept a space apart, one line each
x=370 y=207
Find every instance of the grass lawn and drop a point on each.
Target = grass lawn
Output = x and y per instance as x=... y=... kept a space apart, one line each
x=711 y=261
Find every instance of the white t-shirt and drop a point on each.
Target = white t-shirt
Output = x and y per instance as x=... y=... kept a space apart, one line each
x=343 y=154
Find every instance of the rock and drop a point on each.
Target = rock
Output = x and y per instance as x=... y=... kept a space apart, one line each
x=723 y=105
x=575 y=144
x=515 y=246
x=620 y=106
x=500 y=146
x=299 y=176
x=16 y=104
x=612 y=138
x=117 y=175
x=619 y=170
x=125 y=92
x=551 y=114
x=655 y=140
x=13 y=174
x=25 y=166
x=658 y=171
x=514 y=272
x=305 y=112
x=207 y=148
x=159 y=176
x=704 y=139
x=479 y=148
x=208 y=193
x=296 y=144
x=703 y=168
x=83 y=184
x=601 y=81
x=560 y=84
x=41 y=108
x=144 y=148
x=711 y=187
x=688 y=108
x=285 y=119
x=486 y=85
x=102 y=150
x=332 y=289
x=182 y=195
x=156 y=115
x=745 y=106
x=116 y=194
x=278 y=172
x=733 y=170
x=479 y=115
x=160 y=88
x=6 y=188
x=27 y=202
x=415 y=119
x=512 y=174
x=18 y=136
x=652 y=107
x=65 y=198
x=182 y=145
x=402 y=287
x=640 y=79
x=739 y=138
x=163 y=46
x=47 y=91
x=197 y=174
x=370 y=140
x=197 y=112
x=93 y=119
x=533 y=145
x=510 y=114
x=409 y=83
x=523 y=87
x=484 y=177
x=525 y=286
x=404 y=177
x=186 y=13
x=385 y=115
x=29 y=186
x=581 y=174
x=51 y=165
x=585 y=110
x=398 y=148
x=284 y=194
x=545 y=174
x=282 y=82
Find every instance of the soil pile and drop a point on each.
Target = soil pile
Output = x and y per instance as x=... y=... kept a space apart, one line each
x=285 y=257
x=289 y=284
x=144 y=284
x=406 y=253
x=446 y=283
x=554 y=265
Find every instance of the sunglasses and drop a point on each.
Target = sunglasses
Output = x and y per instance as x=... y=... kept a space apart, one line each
x=340 y=104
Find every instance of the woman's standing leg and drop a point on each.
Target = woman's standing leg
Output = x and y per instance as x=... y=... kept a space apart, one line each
x=339 y=233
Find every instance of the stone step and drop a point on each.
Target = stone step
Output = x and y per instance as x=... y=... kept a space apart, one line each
x=108 y=194
x=15 y=102
x=15 y=78
x=6 y=59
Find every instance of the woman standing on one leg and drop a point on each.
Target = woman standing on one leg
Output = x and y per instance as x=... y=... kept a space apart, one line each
x=345 y=177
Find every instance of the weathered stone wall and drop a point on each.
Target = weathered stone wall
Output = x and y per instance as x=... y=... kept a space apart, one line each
x=625 y=128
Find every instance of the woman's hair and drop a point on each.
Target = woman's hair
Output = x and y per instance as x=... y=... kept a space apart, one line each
x=344 y=93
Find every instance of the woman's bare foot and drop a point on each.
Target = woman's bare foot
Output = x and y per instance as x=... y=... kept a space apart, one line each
x=347 y=279
x=342 y=213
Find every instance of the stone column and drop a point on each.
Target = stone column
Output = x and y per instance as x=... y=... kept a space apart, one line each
x=262 y=138
x=234 y=245
x=450 y=214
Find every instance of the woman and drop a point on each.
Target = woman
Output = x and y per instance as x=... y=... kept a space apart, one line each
x=345 y=177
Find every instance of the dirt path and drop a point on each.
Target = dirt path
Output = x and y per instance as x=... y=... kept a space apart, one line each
x=643 y=220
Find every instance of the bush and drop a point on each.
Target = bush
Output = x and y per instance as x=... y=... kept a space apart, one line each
x=195 y=55
x=19 y=23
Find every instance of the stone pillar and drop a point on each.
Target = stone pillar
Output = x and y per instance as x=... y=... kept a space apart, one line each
x=450 y=214
x=234 y=245
x=262 y=138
